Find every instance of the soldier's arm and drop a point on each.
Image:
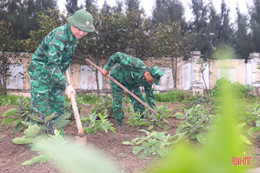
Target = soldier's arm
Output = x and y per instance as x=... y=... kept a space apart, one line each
x=54 y=55
x=149 y=95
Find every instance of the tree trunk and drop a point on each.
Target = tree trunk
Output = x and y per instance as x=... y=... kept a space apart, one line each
x=174 y=72
x=98 y=89
x=4 y=74
x=3 y=81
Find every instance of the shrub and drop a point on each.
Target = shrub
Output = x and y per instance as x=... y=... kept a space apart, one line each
x=242 y=91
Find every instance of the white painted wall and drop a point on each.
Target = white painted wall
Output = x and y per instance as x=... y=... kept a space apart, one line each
x=88 y=78
x=15 y=81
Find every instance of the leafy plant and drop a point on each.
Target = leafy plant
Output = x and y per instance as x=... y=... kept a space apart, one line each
x=243 y=138
x=136 y=119
x=253 y=118
x=159 y=119
x=242 y=91
x=89 y=98
x=17 y=115
x=94 y=123
x=105 y=105
x=11 y=99
x=196 y=122
x=5 y=101
x=51 y=122
x=154 y=143
x=221 y=146
x=208 y=100
x=31 y=136
x=42 y=127
x=71 y=157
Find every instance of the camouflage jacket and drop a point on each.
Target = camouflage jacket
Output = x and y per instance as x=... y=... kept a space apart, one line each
x=54 y=55
x=130 y=73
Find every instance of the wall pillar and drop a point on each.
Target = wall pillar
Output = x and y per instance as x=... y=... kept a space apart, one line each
x=253 y=71
x=196 y=82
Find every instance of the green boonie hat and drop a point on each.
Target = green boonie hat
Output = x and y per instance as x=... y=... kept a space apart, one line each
x=156 y=73
x=82 y=20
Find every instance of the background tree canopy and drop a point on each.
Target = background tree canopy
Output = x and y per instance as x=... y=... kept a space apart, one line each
x=126 y=28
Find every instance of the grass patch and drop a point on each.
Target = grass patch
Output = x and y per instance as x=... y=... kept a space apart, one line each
x=172 y=96
x=10 y=99
x=88 y=98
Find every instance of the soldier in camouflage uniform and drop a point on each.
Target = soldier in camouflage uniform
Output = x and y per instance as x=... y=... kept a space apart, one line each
x=132 y=73
x=51 y=59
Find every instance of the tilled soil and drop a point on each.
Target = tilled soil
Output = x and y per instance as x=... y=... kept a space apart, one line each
x=12 y=155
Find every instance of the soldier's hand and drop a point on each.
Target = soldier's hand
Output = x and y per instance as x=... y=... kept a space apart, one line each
x=104 y=72
x=70 y=90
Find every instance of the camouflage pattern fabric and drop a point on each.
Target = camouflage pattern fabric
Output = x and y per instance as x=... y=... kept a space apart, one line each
x=51 y=59
x=129 y=71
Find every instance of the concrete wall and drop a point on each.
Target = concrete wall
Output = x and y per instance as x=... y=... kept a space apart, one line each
x=189 y=76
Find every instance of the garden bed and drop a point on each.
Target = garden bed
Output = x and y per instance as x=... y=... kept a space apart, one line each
x=11 y=155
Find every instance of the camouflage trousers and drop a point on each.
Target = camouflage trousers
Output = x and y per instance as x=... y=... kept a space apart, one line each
x=117 y=93
x=46 y=98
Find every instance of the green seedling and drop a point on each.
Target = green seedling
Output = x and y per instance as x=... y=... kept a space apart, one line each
x=17 y=115
x=154 y=143
x=94 y=123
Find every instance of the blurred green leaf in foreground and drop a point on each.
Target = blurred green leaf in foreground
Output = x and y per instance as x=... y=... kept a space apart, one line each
x=76 y=158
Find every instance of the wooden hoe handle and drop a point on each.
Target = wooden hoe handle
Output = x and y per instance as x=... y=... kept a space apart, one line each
x=75 y=108
x=76 y=115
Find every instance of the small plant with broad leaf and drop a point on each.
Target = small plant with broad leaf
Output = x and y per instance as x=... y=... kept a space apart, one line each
x=243 y=138
x=31 y=136
x=42 y=128
x=17 y=115
x=154 y=143
x=253 y=118
x=51 y=122
x=196 y=122
x=94 y=123
x=159 y=119
x=137 y=120
x=105 y=105
x=68 y=156
x=11 y=99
